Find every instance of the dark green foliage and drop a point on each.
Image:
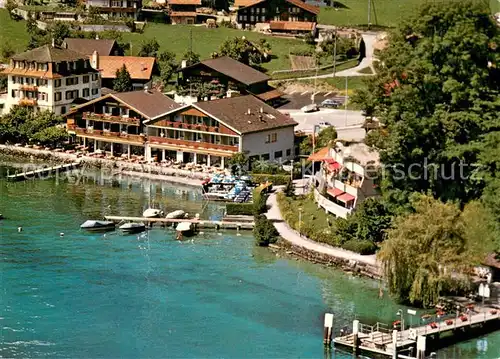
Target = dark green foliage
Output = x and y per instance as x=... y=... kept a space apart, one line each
x=149 y=48
x=167 y=65
x=9 y=6
x=245 y=51
x=238 y=163
x=264 y=231
x=325 y=137
x=360 y=246
x=277 y=180
x=123 y=81
x=51 y=135
x=243 y=209
x=289 y=189
x=191 y=58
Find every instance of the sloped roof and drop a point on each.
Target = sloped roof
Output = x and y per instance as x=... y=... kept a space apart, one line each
x=291 y=25
x=150 y=103
x=235 y=70
x=47 y=53
x=183 y=14
x=245 y=114
x=140 y=68
x=88 y=46
x=310 y=8
x=245 y=3
x=184 y=2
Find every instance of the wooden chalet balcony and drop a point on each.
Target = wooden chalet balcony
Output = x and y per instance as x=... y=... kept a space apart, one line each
x=107 y=134
x=192 y=144
x=108 y=118
x=28 y=102
x=187 y=126
x=28 y=88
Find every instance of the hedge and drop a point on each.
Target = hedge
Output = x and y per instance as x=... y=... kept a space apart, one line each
x=360 y=246
x=275 y=179
x=241 y=209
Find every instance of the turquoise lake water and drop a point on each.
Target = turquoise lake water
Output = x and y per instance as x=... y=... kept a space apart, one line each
x=148 y=296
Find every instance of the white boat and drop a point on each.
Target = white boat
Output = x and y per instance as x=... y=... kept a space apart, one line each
x=98 y=226
x=184 y=229
x=152 y=213
x=176 y=214
x=132 y=227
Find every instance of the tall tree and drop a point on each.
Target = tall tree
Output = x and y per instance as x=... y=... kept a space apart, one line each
x=326 y=137
x=122 y=81
x=243 y=50
x=191 y=58
x=167 y=64
x=436 y=94
x=149 y=48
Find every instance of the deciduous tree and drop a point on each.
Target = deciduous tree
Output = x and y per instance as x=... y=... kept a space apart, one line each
x=149 y=48
x=123 y=81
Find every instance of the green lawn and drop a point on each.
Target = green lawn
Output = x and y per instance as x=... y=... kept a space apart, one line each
x=383 y=12
x=13 y=32
x=176 y=38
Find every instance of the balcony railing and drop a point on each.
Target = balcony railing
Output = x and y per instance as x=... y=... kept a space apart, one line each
x=28 y=102
x=187 y=126
x=28 y=88
x=109 y=118
x=108 y=134
x=192 y=144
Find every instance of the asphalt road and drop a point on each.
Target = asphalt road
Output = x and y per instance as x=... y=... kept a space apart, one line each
x=297 y=100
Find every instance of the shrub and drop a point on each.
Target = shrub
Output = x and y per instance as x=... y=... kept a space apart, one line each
x=244 y=209
x=277 y=180
x=289 y=189
x=361 y=247
x=259 y=202
x=264 y=231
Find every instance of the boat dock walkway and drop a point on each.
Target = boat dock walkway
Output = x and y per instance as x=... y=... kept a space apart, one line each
x=199 y=223
x=42 y=172
x=382 y=340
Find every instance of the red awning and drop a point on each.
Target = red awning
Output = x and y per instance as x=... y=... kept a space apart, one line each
x=334 y=166
x=346 y=197
x=320 y=155
x=334 y=192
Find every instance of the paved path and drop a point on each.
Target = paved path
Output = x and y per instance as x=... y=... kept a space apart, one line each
x=293 y=237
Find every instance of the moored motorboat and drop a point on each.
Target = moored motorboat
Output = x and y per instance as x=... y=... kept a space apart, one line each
x=98 y=226
x=152 y=213
x=132 y=227
x=184 y=229
x=176 y=214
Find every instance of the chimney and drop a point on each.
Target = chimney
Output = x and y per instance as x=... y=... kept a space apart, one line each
x=53 y=42
x=95 y=60
x=183 y=64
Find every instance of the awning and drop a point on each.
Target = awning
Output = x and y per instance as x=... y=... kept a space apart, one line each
x=334 y=192
x=269 y=95
x=332 y=165
x=346 y=197
x=321 y=155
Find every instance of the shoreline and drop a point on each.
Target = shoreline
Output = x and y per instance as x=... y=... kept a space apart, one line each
x=290 y=243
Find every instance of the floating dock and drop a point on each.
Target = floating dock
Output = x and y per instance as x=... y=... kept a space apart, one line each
x=381 y=340
x=199 y=223
x=42 y=172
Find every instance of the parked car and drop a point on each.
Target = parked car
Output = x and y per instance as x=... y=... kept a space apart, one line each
x=324 y=124
x=329 y=102
x=310 y=108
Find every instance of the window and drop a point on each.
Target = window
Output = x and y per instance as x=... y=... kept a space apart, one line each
x=252 y=18
x=57 y=83
x=70 y=95
x=95 y=77
x=274 y=137
x=86 y=79
x=252 y=10
x=265 y=157
x=86 y=92
x=63 y=110
x=288 y=152
x=263 y=10
x=244 y=18
x=57 y=96
x=71 y=81
x=257 y=11
x=278 y=154
x=263 y=18
x=13 y=93
x=268 y=138
x=58 y=67
x=94 y=91
x=75 y=64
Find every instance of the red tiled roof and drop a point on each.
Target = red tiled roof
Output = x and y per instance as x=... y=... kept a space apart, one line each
x=184 y=2
x=334 y=192
x=309 y=8
x=292 y=25
x=140 y=68
x=245 y=3
x=320 y=155
x=346 y=197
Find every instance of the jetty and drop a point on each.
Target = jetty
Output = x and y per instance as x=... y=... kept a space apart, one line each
x=43 y=172
x=382 y=340
x=198 y=223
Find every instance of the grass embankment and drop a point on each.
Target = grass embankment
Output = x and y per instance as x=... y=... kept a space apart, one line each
x=176 y=38
x=13 y=32
x=344 y=65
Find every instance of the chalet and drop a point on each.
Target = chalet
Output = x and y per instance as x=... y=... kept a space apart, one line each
x=183 y=11
x=281 y=12
x=115 y=122
x=230 y=75
x=141 y=69
x=104 y=47
x=209 y=132
x=116 y=8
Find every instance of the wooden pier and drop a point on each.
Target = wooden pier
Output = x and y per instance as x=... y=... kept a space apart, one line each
x=382 y=340
x=199 y=223
x=42 y=172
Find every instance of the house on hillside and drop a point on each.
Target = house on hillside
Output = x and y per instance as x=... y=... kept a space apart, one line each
x=115 y=122
x=116 y=8
x=141 y=69
x=280 y=14
x=183 y=11
x=229 y=75
x=50 y=78
x=104 y=47
x=210 y=132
